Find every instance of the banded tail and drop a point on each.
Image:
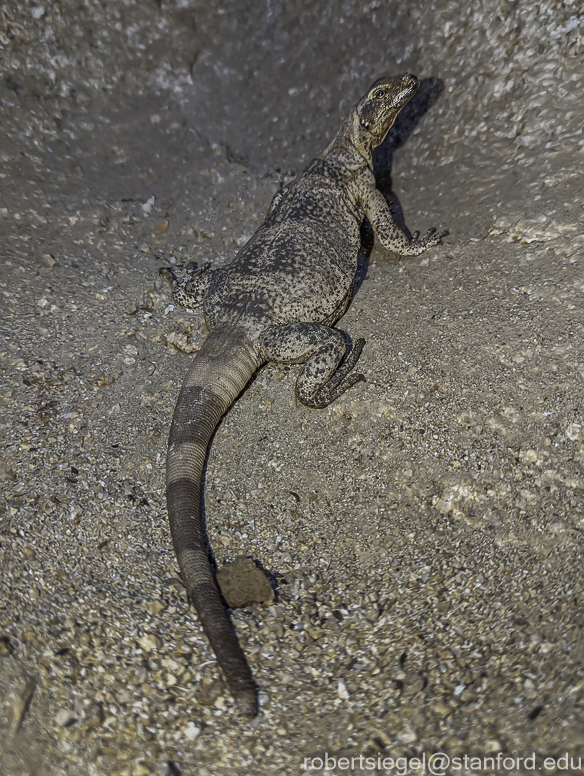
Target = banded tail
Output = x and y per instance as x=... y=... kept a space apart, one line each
x=220 y=371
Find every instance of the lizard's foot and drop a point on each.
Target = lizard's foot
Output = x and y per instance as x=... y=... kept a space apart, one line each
x=188 y=284
x=168 y=274
x=340 y=382
x=429 y=240
x=326 y=371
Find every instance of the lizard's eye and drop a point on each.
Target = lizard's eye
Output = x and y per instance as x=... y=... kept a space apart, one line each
x=379 y=94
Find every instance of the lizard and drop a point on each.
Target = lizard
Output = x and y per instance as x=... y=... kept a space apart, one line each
x=278 y=300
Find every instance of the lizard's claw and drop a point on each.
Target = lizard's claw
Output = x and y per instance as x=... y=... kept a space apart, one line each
x=420 y=244
x=184 y=275
x=437 y=236
x=432 y=237
x=188 y=284
x=168 y=274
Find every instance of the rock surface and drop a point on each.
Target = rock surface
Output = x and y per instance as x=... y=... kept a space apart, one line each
x=426 y=530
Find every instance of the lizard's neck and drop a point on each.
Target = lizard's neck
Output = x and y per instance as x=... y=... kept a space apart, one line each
x=353 y=145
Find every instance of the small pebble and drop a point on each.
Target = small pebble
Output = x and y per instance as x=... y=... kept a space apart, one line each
x=66 y=717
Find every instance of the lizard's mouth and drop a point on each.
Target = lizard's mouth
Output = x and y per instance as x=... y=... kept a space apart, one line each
x=404 y=95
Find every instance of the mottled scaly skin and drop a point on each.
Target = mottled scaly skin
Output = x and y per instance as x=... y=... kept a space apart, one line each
x=278 y=300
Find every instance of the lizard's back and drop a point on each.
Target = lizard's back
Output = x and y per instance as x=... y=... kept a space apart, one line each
x=300 y=264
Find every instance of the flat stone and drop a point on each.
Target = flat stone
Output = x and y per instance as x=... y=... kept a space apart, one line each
x=243 y=583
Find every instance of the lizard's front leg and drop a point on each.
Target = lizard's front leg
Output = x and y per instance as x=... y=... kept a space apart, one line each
x=323 y=378
x=388 y=232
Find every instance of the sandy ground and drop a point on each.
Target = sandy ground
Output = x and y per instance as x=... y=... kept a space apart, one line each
x=425 y=531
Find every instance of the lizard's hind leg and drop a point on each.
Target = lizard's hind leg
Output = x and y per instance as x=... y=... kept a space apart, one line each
x=325 y=376
x=188 y=284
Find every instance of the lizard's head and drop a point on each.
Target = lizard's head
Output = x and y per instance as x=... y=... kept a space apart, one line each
x=375 y=113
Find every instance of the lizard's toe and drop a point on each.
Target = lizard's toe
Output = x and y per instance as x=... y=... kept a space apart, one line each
x=168 y=274
x=433 y=237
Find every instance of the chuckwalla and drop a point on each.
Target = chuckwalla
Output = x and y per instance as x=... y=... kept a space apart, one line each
x=278 y=300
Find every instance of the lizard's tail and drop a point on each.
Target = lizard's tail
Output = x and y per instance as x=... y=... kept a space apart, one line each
x=220 y=371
